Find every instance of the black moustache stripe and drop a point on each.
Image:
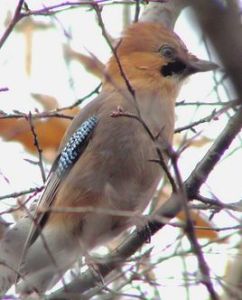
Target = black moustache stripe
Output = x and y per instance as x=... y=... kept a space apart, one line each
x=175 y=67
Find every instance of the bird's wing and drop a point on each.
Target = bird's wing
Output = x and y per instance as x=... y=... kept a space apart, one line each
x=62 y=165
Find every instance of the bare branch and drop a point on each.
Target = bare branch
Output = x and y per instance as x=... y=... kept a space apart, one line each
x=190 y=232
x=22 y=193
x=17 y=17
x=165 y=13
x=4 y=89
x=231 y=103
x=161 y=161
x=209 y=161
x=213 y=116
x=114 y=52
x=39 y=150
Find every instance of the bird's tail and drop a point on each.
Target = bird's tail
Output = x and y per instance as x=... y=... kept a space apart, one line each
x=45 y=262
x=11 y=247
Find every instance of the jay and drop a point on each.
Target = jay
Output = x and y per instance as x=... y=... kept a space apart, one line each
x=104 y=173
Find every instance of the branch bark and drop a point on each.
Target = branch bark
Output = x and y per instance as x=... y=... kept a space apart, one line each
x=221 y=22
x=165 y=13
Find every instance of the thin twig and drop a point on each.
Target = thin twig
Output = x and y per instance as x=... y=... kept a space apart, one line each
x=4 y=89
x=42 y=115
x=64 y=6
x=161 y=159
x=231 y=103
x=190 y=232
x=206 y=165
x=17 y=16
x=49 y=114
x=236 y=206
x=39 y=150
x=22 y=193
x=23 y=252
x=137 y=11
x=81 y=100
x=50 y=10
x=213 y=116
x=114 y=52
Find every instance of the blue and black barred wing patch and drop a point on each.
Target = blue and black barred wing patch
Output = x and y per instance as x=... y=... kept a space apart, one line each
x=75 y=146
x=61 y=167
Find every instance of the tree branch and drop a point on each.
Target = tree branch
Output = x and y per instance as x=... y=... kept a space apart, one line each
x=222 y=24
x=17 y=17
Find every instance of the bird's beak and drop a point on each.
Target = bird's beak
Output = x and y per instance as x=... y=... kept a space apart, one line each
x=195 y=65
x=185 y=65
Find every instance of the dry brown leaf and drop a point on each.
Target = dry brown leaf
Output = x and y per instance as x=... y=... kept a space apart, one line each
x=49 y=131
x=91 y=64
x=48 y=102
x=199 y=219
x=28 y=26
x=144 y=267
x=19 y=213
x=198 y=142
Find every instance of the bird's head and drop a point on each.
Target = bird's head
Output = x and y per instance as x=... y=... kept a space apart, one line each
x=156 y=39
x=151 y=47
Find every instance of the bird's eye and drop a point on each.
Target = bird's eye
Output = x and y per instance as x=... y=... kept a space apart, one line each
x=167 y=51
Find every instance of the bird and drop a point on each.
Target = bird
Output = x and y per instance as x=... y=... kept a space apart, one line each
x=106 y=171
